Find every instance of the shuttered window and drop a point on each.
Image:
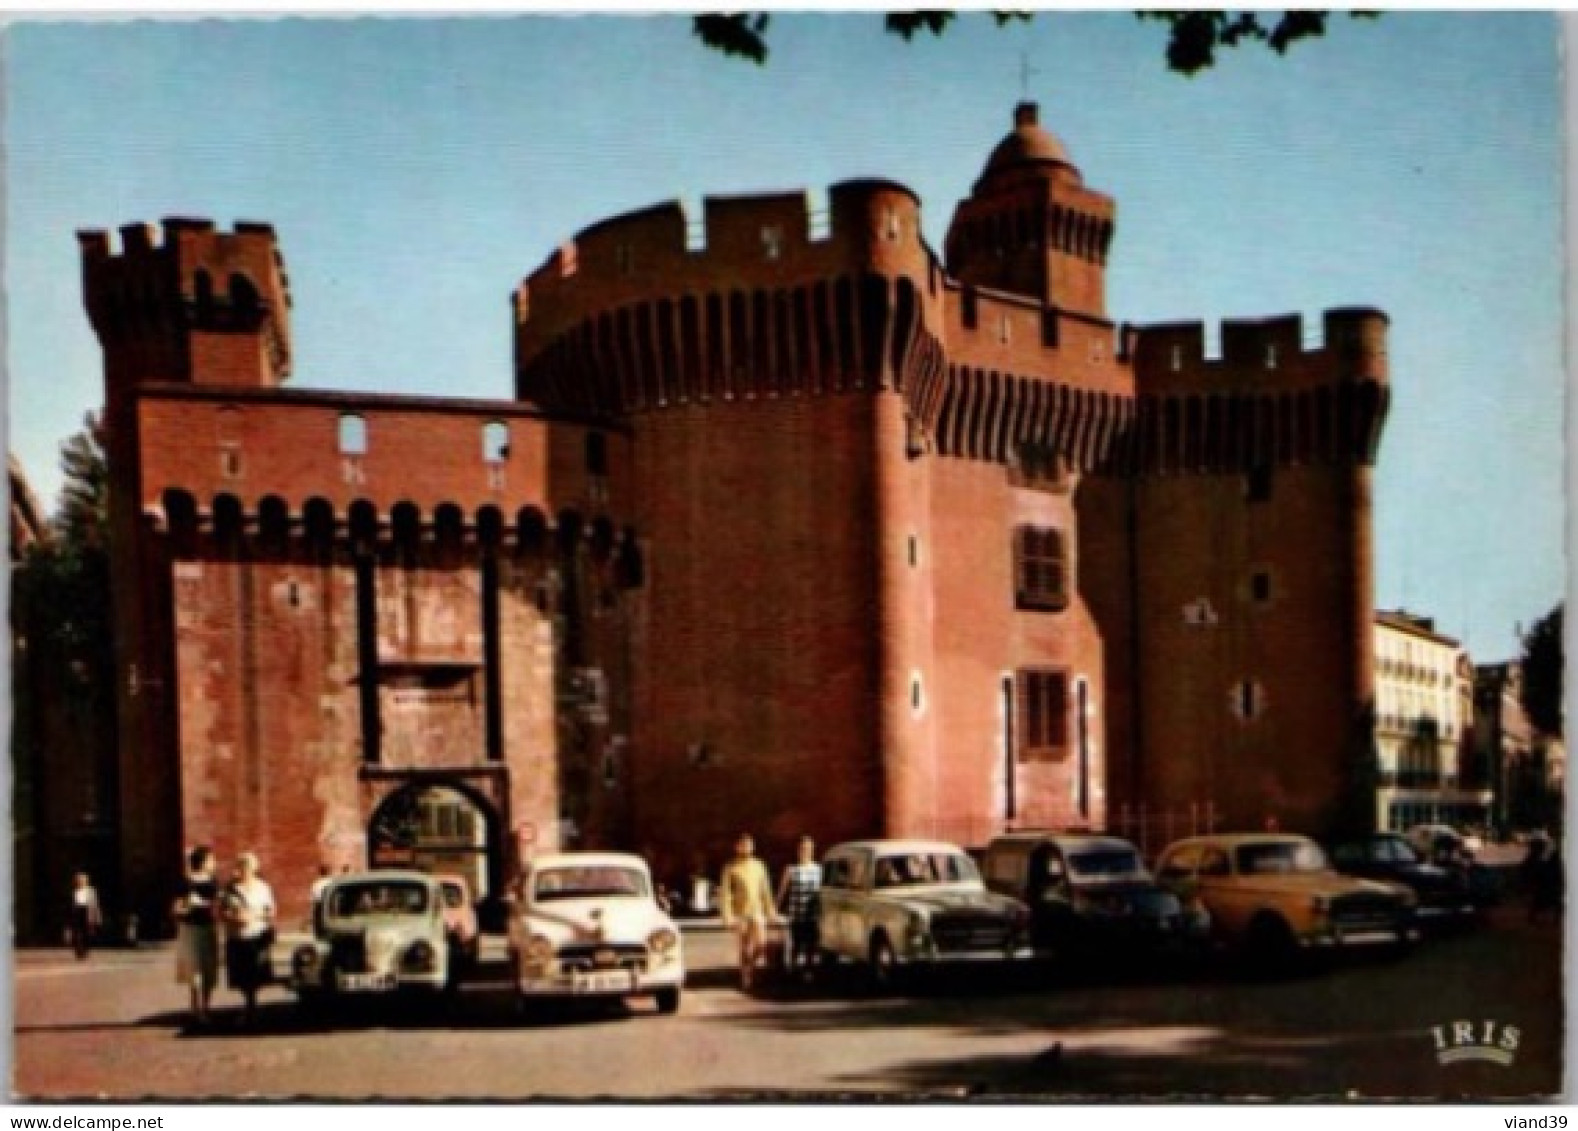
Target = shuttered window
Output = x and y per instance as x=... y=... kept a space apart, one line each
x=1040 y=568
x=1043 y=715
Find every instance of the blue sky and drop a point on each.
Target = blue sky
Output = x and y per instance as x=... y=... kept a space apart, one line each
x=417 y=169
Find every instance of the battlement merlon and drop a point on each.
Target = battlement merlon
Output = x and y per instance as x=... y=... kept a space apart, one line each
x=185 y=279
x=760 y=241
x=1264 y=351
x=251 y=246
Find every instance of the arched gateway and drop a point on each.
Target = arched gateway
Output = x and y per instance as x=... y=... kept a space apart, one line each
x=439 y=827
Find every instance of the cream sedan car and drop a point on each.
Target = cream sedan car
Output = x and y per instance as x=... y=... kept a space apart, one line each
x=586 y=924
x=898 y=905
x=374 y=932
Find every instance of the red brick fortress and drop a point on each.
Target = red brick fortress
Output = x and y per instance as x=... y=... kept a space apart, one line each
x=793 y=527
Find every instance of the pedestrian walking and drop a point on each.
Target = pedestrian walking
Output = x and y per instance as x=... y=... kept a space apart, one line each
x=197 y=932
x=249 y=922
x=799 y=898
x=745 y=899
x=86 y=918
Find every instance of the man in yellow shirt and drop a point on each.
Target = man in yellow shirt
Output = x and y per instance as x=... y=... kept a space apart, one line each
x=746 y=900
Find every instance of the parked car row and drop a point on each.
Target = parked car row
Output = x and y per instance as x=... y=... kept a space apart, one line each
x=582 y=924
x=589 y=924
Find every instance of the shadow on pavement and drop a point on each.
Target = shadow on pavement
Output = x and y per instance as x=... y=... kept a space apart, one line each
x=1362 y=1028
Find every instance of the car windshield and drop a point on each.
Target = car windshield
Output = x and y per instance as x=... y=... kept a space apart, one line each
x=378 y=897
x=913 y=868
x=586 y=882
x=1280 y=857
x=1100 y=863
x=1395 y=850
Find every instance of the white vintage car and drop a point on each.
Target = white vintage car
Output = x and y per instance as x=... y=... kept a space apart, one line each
x=897 y=904
x=373 y=932
x=587 y=924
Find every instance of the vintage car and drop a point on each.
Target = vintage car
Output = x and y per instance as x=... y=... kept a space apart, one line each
x=1276 y=894
x=587 y=924
x=897 y=905
x=374 y=932
x=460 y=919
x=1445 y=894
x=1445 y=847
x=1435 y=841
x=1090 y=896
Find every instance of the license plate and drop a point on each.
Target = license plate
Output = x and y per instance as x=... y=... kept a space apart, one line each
x=365 y=982
x=1362 y=938
x=617 y=981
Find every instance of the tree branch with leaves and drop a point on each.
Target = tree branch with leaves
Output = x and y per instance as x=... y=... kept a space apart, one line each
x=1194 y=38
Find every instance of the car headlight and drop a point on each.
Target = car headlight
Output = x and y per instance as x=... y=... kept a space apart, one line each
x=420 y=956
x=663 y=940
x=539 y=949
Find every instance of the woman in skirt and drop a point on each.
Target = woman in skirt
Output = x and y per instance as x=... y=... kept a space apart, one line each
x=197 y=932
x=250 y=904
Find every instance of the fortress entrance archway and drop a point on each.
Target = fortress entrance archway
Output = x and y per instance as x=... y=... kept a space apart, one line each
x=438 y=826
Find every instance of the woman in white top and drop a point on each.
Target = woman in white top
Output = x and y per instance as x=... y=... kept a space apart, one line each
x=249 y=918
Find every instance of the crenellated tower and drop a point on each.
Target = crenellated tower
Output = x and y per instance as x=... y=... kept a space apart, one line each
x=770 y=362
x=186 y=306
x=1251 y=509
x=198 y=306
x=1031 y=227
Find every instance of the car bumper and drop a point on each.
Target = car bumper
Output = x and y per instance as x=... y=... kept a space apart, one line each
x=966 y=957
x=1335 y=938
x=599 y=983
x=340 y=982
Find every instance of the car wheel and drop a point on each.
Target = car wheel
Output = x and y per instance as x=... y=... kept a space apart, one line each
x=883 y=963
x=668 y=1000
x=1271 y=944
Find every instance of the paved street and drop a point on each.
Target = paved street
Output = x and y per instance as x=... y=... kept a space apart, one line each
x=114 y=1027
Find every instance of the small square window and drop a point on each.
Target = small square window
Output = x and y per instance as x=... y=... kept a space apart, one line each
x=1260 y=586
x=1257 y=484
x=772 y=242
